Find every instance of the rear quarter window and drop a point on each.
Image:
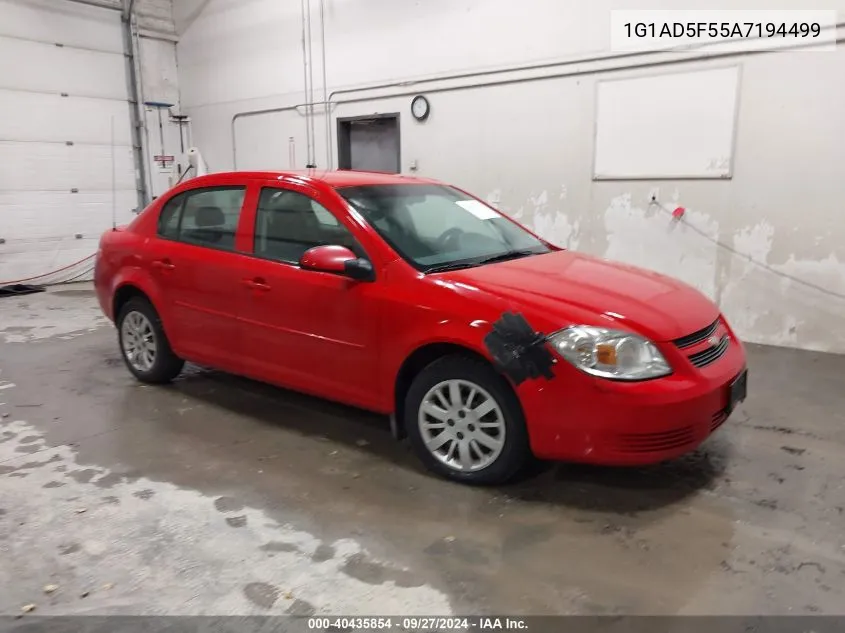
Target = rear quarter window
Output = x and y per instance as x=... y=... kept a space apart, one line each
x=168 y=219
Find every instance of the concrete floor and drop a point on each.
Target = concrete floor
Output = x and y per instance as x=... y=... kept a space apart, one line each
x=217 y=495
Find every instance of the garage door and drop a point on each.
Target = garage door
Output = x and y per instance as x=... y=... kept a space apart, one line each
x=65 y=85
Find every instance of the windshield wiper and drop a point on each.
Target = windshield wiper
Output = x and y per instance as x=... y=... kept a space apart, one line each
x=503 y=257
x=442 y=268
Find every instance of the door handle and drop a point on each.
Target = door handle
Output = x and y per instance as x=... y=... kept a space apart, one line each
x=163 y=264
x=256 y=284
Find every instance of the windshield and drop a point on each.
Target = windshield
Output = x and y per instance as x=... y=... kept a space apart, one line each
x=435 y=227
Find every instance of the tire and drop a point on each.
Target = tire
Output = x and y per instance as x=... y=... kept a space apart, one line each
x=490 y=444
x=139 y=324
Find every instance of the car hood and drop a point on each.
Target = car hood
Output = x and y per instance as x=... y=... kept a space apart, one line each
x=561 y=288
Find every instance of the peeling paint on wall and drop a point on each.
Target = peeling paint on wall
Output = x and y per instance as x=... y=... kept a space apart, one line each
x=645 y=236
x=761 y=305
x=765 y=307
x=550 y=221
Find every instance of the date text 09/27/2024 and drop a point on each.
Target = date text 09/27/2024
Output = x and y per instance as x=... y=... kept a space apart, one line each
x=366 y=624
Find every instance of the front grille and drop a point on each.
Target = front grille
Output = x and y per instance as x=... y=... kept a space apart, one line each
x=697 y=337
x=711 y=354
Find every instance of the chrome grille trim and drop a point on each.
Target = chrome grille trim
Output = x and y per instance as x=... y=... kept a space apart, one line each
x=697 y=337
x=712 y=354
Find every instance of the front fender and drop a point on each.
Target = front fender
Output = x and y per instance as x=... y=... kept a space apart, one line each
x=452 y=331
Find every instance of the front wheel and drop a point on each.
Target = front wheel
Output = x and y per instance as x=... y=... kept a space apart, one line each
x=145 y=348
x=465 y=423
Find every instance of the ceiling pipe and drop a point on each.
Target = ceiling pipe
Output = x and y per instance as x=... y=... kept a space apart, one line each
x=305 y=64
x=102 y=4
x=325 y=81
x=313 y=161
x=133 y=69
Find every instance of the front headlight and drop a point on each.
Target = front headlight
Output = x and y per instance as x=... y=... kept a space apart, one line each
x=611 y=354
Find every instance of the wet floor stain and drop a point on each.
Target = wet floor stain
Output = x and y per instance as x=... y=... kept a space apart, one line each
x=323 y=553
x=301 y=608
x=276 y=546
x=236 y=522
x=262 y=594
x=70 y=548
x=451 y=547
x=28 y=448
x=374 y=573
x=84 y=476
x=228 y=504
x=120 y=534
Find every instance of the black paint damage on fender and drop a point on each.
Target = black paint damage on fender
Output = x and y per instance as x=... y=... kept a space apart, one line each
x=517 y=350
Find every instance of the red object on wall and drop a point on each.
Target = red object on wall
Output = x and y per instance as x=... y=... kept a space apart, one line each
x=678 y=213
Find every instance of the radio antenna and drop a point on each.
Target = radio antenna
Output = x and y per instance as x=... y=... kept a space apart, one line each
x=113 y=182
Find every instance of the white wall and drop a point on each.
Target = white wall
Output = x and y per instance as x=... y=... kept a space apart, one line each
x=63 y=83
x=527 y=145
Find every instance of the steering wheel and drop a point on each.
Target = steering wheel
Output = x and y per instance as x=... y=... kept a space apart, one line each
x=448 y=236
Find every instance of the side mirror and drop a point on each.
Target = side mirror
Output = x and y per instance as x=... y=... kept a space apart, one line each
x=338 y=260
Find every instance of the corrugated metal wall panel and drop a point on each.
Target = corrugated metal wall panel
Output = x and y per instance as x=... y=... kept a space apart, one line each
x=67 y=23
x=50 y=117
x=39 y=215
x=39 y=166
x=45 y=216
x=54 y=69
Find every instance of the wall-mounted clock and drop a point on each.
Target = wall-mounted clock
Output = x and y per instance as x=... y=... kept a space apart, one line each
x=420 y=108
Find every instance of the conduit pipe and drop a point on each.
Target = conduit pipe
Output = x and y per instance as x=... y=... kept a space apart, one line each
x=102 y=4
x=571 y=68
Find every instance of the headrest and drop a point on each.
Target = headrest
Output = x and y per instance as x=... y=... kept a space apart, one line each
x=290 y=202
x=210 y=216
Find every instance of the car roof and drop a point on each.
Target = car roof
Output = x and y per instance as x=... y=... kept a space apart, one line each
x=332 y=178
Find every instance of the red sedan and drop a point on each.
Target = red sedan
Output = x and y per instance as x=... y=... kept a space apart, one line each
x=483 y=342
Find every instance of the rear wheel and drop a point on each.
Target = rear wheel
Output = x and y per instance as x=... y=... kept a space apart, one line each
x=465 y=423
x=145 y=348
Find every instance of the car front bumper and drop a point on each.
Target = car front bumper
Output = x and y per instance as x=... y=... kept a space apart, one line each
x=575 y=417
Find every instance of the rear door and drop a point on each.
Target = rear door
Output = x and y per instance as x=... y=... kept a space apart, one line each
x=196 y=260
x=312 y=331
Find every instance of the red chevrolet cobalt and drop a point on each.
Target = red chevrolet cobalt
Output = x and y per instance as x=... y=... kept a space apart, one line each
x=484 y=343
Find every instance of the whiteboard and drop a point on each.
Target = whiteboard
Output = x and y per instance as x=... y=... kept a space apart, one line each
x=673 y=125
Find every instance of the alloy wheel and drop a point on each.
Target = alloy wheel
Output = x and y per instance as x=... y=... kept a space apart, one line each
x=139 y=341
x=462 y=425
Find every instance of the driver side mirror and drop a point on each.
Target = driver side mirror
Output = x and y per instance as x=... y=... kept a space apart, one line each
x=338 y=260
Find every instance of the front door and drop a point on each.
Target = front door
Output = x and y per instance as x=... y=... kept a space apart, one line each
x=312 y=331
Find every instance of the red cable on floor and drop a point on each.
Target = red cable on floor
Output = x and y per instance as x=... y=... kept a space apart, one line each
x=52 y=272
